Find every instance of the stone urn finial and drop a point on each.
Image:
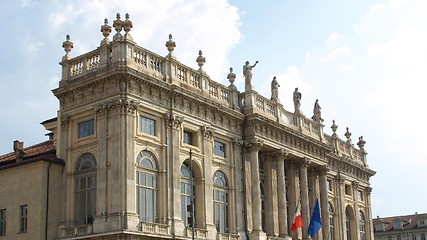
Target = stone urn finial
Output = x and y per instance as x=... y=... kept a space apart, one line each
x=200 y=60
x=361 y=143
x=118 y=26
x=170 y=45
x=67 y=45
x=334 y=128
x=347 y=134
x=127 y=26
x=106 y=30
x=231 y=77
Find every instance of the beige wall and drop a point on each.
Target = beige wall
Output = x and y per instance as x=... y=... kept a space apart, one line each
x=26 y=185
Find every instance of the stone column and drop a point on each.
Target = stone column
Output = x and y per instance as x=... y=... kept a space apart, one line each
x=368 y=217
x=270 y=192
x=67 y=177
x=356 y=208
x=205 y=218
x=305 y=209
x=341 y=207
x=102 y=165
x=293 y=190
x=173 y=123
x=281 y=194
x=254 y=147
x=324 y=204
x=237 y=221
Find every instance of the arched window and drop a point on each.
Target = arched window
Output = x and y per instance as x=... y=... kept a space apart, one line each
x=362 y=225
x=220 y=201
x=146 y=187
x=331 y=235
x=187 y=194
x=85 y=204
x=348 y=224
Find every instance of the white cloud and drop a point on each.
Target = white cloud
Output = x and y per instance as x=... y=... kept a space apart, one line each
x=343 y=50
x=332 y=38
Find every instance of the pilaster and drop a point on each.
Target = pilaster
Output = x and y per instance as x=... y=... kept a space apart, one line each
x=280 y=157
x=257 y=232
x=305 y=208
x=324 y=204
x=237 y=223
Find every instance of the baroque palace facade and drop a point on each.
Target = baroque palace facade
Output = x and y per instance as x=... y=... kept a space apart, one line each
x=138 y=136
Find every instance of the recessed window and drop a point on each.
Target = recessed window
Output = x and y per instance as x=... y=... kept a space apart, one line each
x=2 y=222
x=86 y=128
x=360 y=195
x=329 y=185
x=147 y=125
x=188 y=138
x=421 y=223
x=219 y=149
x=23 y=216
x=347 y=189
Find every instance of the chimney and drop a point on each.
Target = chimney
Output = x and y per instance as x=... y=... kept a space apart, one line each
x=18 y=148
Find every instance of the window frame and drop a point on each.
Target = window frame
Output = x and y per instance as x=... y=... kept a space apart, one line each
x=185 y=135
x=143 y=190
x=3 y=221
x=86 y=175
x=186 y=194
x=151 y=129
x=217 y=147
x=23 y=218
x=220 y=202
x=86 y=128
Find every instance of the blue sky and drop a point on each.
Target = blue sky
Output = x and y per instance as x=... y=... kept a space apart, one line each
x=364 y=60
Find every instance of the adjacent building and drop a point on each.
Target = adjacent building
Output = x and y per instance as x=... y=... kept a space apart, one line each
x=143 y=145
x=408 y=227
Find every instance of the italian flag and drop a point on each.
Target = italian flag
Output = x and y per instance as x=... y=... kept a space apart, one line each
x=297 y=223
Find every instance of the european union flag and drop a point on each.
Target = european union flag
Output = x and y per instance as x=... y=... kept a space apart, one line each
x=315 y=221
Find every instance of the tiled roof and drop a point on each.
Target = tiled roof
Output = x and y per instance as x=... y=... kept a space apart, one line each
x=408 y=222
x=42 y=151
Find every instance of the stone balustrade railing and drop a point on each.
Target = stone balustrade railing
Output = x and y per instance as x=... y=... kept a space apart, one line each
x=126 y=54
x=155 y=228
x=227 y=236
x=79 y=230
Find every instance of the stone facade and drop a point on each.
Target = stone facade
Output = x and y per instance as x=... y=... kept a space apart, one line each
x=127 y=122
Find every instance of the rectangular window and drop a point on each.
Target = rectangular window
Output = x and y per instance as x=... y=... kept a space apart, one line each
x=188 y=138
x=23 y=216
x=398 y=237
x=86 y=128
x=347 y=189
x=360 y=195
x=423 y=236
x=147 y=125
x=2 y=222
x=329 y=185
x=414 y=237
x=219 y=149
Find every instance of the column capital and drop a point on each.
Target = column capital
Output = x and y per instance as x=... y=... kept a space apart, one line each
x=255 y=144
x=281 y=154
x=174 y=121
x=304 y=162
x=355 y=184
x=340 y=179
x=368 y=190
x=208 y=132
x=323 y=170
x=237 y=143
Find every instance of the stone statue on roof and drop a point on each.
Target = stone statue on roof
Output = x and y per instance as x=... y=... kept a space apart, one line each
x=275 y=90
x=297 y=101
x=317 y=114
x=247 y=72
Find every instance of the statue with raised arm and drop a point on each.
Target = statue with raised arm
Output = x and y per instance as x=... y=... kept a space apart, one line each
x=247 y=72
x=297 y=100
x=317 y=114
x=275 y=90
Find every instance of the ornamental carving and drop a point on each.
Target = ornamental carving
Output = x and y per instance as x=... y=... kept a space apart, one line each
x=255 y=144
x=174 y=121
x=208 y=132
x=304 y=162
